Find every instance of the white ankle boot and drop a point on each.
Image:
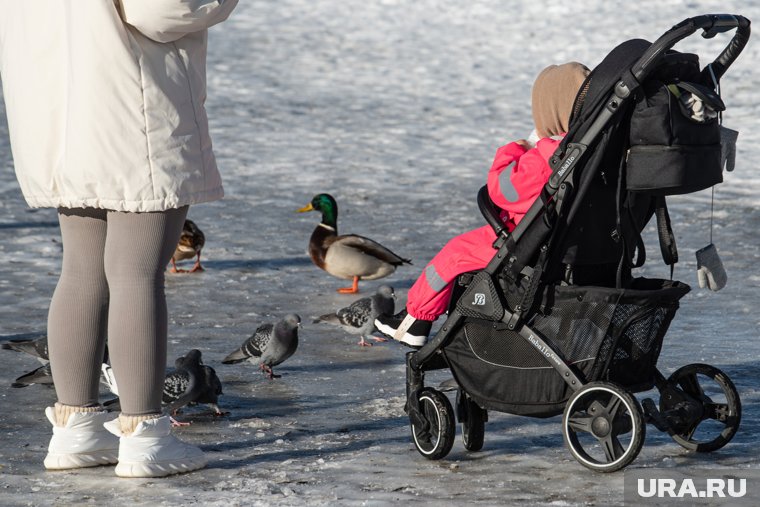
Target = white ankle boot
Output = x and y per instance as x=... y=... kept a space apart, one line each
x=152 y=451
x=82 y=442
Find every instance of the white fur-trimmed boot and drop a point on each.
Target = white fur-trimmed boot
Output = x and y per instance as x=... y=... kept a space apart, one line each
x=79 y=438
x=147 y=448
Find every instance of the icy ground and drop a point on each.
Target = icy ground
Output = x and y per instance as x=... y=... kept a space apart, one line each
x=396 y=107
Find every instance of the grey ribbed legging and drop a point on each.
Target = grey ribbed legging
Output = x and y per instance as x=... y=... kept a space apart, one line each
x=112 y=284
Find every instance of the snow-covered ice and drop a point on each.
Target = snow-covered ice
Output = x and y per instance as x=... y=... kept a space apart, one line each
x=395 y=107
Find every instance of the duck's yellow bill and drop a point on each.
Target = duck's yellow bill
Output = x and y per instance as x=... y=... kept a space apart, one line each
x=308 y=207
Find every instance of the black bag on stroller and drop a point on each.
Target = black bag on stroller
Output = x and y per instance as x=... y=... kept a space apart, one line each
x=556 y=323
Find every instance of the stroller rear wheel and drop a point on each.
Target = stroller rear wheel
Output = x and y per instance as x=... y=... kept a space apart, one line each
x=708 y=417
x=603 y=426
x=435 y=438
x=473 y=419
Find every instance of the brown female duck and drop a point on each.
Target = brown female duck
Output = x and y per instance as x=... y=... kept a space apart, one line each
x=190 y=244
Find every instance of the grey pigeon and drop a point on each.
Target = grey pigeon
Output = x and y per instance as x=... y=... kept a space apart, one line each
x=178 y=382
x=212 y=388
x=192 y=383
x=41 y=375
x=359 y=317
x=185 y=383
x=37 y=347
x=270 y=345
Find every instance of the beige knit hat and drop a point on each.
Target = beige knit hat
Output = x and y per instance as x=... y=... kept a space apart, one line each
x=553 y=95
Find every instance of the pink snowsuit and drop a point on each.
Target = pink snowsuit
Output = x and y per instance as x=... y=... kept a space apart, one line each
x=429 y=296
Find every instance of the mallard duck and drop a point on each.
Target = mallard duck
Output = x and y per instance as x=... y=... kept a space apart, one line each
x=348 y=256
x=190 y=244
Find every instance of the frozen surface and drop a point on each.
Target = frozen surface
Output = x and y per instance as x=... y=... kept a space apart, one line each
x=396 y=108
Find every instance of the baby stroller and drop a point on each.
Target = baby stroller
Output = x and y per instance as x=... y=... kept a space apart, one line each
x=556 y=323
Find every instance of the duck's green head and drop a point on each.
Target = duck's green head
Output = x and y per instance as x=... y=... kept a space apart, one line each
x=327 y=205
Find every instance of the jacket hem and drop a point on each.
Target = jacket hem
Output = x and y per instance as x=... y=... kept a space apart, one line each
x=136 y=206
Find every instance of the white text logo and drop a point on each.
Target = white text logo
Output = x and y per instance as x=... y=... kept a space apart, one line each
x=714 y=488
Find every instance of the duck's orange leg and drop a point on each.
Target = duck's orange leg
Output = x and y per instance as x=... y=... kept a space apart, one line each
x=351 y=290
x=174 y=268
x=197 y=266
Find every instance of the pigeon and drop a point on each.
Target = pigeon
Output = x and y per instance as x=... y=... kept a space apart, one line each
x=37 y=347
x=44 y=376
x=191 y=242
x=41 y=375
x=185 y=383
x=270 y=345
x=196 y=385
x=359 y=317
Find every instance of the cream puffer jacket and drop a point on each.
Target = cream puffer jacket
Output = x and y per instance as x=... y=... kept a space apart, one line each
x=104 y=100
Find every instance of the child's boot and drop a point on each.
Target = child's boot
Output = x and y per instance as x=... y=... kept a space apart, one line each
x=79 y=439
x=404 y=328
x=147 y=448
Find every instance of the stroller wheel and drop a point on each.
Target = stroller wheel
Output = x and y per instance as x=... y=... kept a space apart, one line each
x=603 y=426
x=435 y=438
x=709 y=417
x=473 y=419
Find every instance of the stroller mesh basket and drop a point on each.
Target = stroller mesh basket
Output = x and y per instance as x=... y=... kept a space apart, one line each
x=604 y=333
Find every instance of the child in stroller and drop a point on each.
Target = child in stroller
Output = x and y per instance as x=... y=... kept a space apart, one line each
x=556 y=322
x=517 y=176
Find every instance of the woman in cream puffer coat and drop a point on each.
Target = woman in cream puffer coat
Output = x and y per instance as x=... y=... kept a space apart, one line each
x=105 y=107
x=105 y=101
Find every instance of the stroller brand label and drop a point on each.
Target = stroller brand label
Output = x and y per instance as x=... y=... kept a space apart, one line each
x=566 y=165
x=692 y=487
x=480 y=299
x=544 y=349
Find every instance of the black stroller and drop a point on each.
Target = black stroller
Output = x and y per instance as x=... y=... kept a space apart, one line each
x=556 y=323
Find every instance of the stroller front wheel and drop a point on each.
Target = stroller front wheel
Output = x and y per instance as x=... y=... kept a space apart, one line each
x=603 y=427
x=434 y=438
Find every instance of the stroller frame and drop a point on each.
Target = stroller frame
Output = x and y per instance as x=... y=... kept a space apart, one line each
x=600 y=409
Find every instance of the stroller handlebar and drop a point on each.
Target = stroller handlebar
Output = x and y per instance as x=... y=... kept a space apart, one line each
x=711 y=24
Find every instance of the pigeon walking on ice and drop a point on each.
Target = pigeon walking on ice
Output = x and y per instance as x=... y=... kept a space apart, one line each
x=270 y=345
x=41 y=375
x=185 y=382
x=204 y=388
x=44 y=376
x=359 y=317
x=209 y=387
x=212 y=389
x=37 y=347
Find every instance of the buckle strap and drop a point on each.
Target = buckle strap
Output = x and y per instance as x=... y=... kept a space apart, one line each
x=404 y=327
